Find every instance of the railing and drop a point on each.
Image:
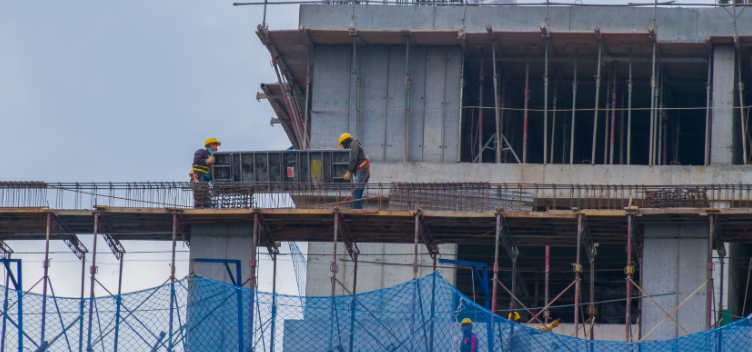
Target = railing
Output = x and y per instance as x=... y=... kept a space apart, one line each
x=381 y=196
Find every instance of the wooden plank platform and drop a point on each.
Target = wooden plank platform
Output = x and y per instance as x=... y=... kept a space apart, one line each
x=556 y=228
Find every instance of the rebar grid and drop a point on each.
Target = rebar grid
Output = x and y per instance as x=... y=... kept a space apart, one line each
x=377 y=196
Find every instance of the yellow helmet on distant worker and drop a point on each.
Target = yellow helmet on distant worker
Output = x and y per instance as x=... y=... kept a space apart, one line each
x=514 y=316
x=210 y=141
x=467 y=321
x=343 y=137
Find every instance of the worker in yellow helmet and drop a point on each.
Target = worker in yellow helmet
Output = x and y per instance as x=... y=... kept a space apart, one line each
x=469 y=341
x=359 y=165
x=203 y=159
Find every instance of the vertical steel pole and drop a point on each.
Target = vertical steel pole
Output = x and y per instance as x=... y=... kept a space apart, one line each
x=256 y=231
x=352 y=303
x=613 y=119
x=274 y=301
x=547 y=313
x=415 y=272
x=462 y=91
x=591 y=308
x=82 y=305
x=606 y=117
x=408 y=84
x=659 y=120
x=595 y=117
x=496 y=260
x=306 y=133
x=119 y=302
x=527 y=98
x=92 y=271
x=629 y=112
x=574 y=108
x=545 y=108
x=577 y=270
x=172 y=280
x=740 y=85
x=621 y=130
x=480 y=111
x=709 y=287
x=652 y=108
x=334 y=269
x=46 y=277
x=629 y=270
x=553 y=122
x=496 y=105
x=709 y=93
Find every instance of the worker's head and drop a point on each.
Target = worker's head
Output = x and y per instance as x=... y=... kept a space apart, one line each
x=212 y=144
x=467 y=326
x=345 y=139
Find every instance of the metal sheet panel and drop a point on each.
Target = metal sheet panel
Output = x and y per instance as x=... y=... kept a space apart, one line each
x=374 y=71
x=394 y=123
x=435 y=90
x=417 y=101
x=281 y=166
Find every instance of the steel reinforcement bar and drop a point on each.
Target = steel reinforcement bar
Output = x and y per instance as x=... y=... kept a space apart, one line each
x=381 y=196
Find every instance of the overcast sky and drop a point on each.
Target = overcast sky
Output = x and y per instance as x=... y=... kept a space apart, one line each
x=127 y=91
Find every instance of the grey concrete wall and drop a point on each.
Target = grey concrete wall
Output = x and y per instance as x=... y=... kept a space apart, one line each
x=222 y=241
x=432 y=130
x=558 y=173
x=675 y=259
x=380 y=265
x=602 y=332
x=674 y=24
x=724 y=127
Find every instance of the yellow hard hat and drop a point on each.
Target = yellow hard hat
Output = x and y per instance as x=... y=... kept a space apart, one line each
x=514 y=316
x=467 y=321
x=212 y=140
x=343 y=137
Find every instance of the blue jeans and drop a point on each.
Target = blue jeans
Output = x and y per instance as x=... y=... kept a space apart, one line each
x=360 y=181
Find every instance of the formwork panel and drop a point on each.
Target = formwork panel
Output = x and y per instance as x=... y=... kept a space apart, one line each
x=331 y=95
x=394 y=124
x=417 y=101
x=435 y=80
x=281 y=166
x=374 y=73
x=451 y=109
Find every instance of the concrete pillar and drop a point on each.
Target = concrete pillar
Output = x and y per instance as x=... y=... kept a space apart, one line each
x=222 y=241
x=724 y=135
x=675 y=259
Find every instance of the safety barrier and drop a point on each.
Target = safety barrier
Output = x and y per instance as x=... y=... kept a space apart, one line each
x=199 y=314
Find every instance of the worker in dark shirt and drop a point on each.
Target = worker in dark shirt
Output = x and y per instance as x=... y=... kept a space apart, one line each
x=203 y=161
x=469 y=341
x=359 y=165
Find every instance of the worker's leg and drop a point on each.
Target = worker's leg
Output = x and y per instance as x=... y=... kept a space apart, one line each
x=360 y=184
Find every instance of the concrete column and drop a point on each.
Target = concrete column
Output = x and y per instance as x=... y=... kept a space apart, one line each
x=724 y=135
x=222 y=241
x=675 y=259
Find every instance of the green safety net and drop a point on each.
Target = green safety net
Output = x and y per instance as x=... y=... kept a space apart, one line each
x=199 y=314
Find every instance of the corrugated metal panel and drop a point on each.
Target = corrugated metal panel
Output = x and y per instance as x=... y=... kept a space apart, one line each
x=281 y=166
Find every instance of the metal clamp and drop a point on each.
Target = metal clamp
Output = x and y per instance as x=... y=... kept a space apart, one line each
x=592 y=310
x=629 y=270
x=577 y=267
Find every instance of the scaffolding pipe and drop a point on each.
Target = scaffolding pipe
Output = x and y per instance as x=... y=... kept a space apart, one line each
x=709 y=286
x=496 y=105
x=496 y=261
x=545 y=107
x=334 y=269
x=591 y=308
x=480 y=111
x=81 y=304
x=652 y=108
x=621 y=130
x=502 y=97
x=629 y=270
x=462 y=91
x=253 y=263
x=415 y=245
x=613 y=119
x=172 y=279
x=45 y=277
x=553 y=121
x=577 y=270
x=527 y=98
x=574 y=108
x=306 y=133
x=629 y=111
x=597 y=91
x=119 y=302
x=708 y=116
x=546 y=313
x=92 y=271
x=408 y=83
x=740 y=85
x=274 y=297
x=606 y=117
x=659 y=120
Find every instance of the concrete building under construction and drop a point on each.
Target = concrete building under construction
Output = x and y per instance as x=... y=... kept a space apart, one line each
x=593 y=159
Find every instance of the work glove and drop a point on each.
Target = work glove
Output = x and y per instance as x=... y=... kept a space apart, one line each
x=210 y=161
x=348 y=176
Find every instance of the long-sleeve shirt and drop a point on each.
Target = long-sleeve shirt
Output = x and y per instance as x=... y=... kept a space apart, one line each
x=357 y=156
x=469 y=343
x=200 y=157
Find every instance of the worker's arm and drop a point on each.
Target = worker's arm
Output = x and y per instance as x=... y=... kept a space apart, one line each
x=474 y=343
x=201 y=157
x=354 y=151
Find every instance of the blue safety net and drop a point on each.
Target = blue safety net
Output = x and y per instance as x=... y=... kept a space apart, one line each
x=199 y=314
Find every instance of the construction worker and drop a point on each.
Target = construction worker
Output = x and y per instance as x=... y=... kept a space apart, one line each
x=469 y=339
x=203 y=159
x=359 y=165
